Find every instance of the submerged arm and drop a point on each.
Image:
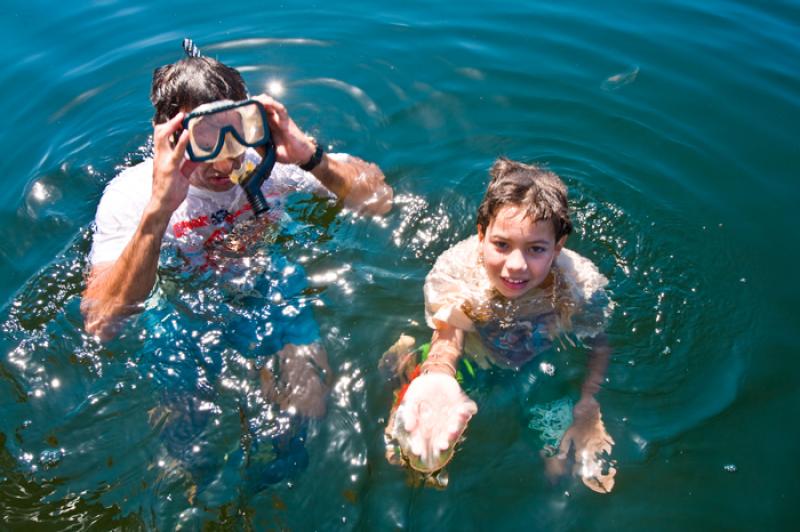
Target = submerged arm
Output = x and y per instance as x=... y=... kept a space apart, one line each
x=596 y=366
x=115 y=289
x=588 y=433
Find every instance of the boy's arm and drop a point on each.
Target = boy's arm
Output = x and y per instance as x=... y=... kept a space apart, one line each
x=447 y=345
x=596 y=367
x=586 y=411
x=588 y=434
x=435 y=410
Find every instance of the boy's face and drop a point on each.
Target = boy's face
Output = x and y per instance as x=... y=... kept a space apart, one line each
x=517 y=252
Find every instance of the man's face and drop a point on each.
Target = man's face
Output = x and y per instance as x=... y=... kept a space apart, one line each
x=517 y=252
x=215 y=175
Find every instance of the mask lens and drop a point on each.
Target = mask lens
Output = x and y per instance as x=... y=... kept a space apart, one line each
x=253 y=128
x=205 y=134
x=226 y=132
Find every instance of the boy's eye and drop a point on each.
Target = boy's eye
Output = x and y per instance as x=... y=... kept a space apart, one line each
x=500 y=245
x=538 y=249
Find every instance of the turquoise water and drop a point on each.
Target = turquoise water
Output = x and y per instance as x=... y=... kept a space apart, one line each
x=674 y=125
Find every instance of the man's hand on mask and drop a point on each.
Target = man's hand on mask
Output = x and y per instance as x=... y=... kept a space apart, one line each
x=170 y=167
x=292 y=146
x=359 y=184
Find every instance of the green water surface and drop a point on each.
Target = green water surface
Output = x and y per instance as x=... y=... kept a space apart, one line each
x=675 y=127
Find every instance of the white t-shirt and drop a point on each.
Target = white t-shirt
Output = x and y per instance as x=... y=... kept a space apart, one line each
x=203 y=216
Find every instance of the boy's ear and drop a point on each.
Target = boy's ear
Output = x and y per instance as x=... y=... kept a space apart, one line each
x=480 y=233
x=560 y=244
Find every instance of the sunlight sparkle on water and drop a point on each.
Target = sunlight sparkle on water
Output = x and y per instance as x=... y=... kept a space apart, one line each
x=275 y=88
x=39 y=192
x=547 y=368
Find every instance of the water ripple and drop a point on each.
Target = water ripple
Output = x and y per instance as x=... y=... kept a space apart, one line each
x=256 y=42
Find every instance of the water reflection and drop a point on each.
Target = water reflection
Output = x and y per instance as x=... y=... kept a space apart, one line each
x=618 y=81
x=93 y=432
x=195 y=361
x=257 y=42
x=78 y=100
x=358 y=94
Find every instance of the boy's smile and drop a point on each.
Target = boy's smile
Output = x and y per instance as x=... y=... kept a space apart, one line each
x=517 y=252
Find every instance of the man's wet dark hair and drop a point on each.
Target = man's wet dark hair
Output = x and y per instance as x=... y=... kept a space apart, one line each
x=539 y=193
x=193 y=81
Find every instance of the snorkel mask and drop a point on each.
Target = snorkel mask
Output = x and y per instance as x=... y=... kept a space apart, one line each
x=224 y=130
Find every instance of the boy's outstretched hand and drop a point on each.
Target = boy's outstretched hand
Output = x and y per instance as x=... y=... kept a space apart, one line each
x=592 y=445
x=430 y=420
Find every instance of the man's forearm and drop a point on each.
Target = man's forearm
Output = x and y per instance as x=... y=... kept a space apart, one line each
x=360 y=185
x=115 y=291
x=336 y=176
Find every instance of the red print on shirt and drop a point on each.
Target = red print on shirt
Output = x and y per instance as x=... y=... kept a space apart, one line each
x=186 y=226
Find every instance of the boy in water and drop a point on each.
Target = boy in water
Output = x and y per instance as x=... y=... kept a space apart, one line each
x=502 y=296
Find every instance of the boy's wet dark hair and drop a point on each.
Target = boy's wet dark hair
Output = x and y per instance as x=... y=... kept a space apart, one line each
x=539 y=193
x=193 y=81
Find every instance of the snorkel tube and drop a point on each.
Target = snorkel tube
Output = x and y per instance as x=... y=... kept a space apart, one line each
x=252 y=180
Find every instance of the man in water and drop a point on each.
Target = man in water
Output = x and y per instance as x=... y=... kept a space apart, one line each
x=170 y=200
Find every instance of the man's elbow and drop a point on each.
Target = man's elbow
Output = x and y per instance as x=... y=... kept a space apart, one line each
x=367 y=192
x=95 y=322
x=383 y=201
x=103 y=316
x=379 y=201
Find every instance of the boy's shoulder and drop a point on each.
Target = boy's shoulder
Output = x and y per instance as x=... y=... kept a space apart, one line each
x=458 y=269
x=460 y=255
x=581 y=274
x=590 y=306
x=456 y=277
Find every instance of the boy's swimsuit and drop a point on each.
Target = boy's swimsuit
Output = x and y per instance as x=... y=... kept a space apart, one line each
x=510 y=333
